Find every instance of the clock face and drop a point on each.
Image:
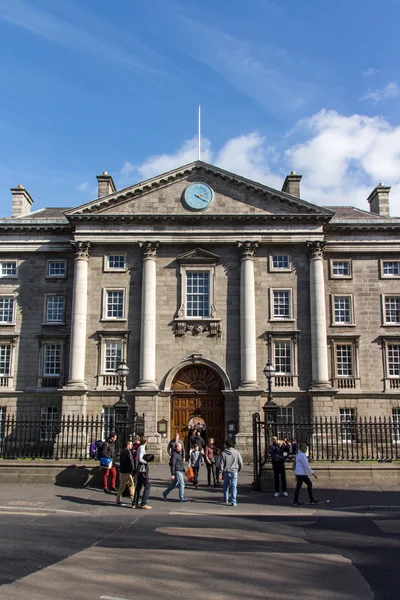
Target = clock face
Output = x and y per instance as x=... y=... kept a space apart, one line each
x=198 y=196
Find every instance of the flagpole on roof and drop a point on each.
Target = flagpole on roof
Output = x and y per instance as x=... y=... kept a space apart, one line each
x=199 y=135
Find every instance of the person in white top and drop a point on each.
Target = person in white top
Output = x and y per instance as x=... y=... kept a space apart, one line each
x=302 y=470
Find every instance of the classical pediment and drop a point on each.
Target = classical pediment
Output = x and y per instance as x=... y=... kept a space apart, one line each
x=162 y=196
x=197 y=256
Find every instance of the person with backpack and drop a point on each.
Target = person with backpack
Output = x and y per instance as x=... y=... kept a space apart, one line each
x=277 y=451
x=142 y=469
x=126 y=471
x=109 y=451
x=231 y=465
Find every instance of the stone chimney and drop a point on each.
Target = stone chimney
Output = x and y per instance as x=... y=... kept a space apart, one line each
x=291 y=185
x=106 y=185
x=379 y=200
x=21 y=201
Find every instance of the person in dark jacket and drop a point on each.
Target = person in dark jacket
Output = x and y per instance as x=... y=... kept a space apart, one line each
x=177 y=474
x=109 y=450
x=142 y=481
x=197 y=440
x=210 y=462
x=126 y=471
x=277 y=450
x=172 y=444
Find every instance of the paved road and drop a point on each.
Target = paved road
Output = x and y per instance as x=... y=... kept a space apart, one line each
x=69 y=543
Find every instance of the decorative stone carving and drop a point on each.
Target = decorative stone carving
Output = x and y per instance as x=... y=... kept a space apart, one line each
x=212 y=328
x=82 y=250
x=316 y=250
x=149 y=249
x=247 y=249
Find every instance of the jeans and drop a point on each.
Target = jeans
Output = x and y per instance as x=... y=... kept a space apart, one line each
x=279 y=471
x=300 y=479
x=113 y=473
x=125 y=479
x=178 y=482
x=196 y=476
x=142 y=481
x=230 y=485
x=211 y=471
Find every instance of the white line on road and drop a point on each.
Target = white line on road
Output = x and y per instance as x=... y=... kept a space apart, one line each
x=27 y=514
x=112 y=598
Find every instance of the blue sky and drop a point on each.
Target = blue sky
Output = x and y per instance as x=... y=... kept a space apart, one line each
x=92 y=85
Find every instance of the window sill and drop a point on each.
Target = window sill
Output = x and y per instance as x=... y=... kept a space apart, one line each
x=391 y=325
x=124 y=270
x=283 y=320
x=347 y=277
x=2 y=324
x=110 y=320
x=56 y=323
x=343 y=324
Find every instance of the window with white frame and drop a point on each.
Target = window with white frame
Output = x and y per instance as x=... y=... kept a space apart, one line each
x=347 y=424
x=281 y=304
x=198 y=293
x=57 y=268
x=7 y=305
x=344 y=360
x=115 y=262
x=114 y=304
x=283 y=357
x=280 y=262
x=390 y=268
x=342 y=310
x=8 y=268
x=51 y=364
x=391 y=310
x=341 y=268
x=393 y=360
x=49 y=423
x=396 y=425
x=112 y=355
x=5 y=360
x=54 y=309
x=108 y=421
x=285 y=420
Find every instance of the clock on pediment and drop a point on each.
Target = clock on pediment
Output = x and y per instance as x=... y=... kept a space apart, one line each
x=198 y=196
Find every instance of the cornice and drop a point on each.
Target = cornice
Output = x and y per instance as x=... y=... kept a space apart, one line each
x=189 y=219
x=35 y=226
x=362 y=227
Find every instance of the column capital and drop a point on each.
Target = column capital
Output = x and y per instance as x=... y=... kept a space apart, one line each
x=316 y=250
x=82 y=250
x=149 y=249
x=247 y=249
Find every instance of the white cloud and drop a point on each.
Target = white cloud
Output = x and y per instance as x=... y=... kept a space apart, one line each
x=389 y=91
x=371 y=72
x=83 y=187
x=342 y=158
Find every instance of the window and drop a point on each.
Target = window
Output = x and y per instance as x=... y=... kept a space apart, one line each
x=5 y=361
x=112 y=355
x=7 y=309
x=285 y=422
x=114 y=304
x=52 y=360
x=390 y=268
x=392 y=310
x=396 y=425
x=49 y=426
x=342 y=310
x=344 y=360
x=281 y=304
x=283 y=357
x=108 y=421
x=115 y=262
x=197 y=293
x=8 y=268
x=341 y=268
x=54 y=309
x=280 y=262
x=347 y=424
x=56 y=268
x=393 y=360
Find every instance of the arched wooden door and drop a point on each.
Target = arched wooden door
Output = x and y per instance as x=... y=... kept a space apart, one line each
x=197 y=393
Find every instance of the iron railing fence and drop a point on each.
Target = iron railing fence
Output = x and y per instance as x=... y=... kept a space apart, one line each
x=68 y=436
x=373 y=439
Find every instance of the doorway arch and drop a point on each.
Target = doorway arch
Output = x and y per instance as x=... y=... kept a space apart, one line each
x=197 y=392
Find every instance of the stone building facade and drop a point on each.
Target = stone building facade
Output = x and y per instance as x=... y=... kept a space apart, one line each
x=196 y=279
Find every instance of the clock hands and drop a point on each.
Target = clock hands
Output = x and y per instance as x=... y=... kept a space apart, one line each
x=201 y=197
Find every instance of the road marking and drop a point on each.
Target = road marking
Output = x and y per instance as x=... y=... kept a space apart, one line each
x=48 y=510
x=112 y=598
x=27 y=514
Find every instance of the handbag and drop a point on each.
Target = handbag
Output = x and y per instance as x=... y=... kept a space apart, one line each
x=189 y=474
x=106 y=463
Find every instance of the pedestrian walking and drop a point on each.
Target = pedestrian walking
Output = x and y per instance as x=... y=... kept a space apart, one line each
x=210 y=462
x=195 y=460
x=143 y=481
x=231 y=465
x=109 y=451
x=172 y=444
x=126 y=471
x=302 y=470
x=277 y=451
x=177 y=474
x=197 y=439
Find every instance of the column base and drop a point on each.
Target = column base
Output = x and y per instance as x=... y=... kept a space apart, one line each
x=249 y=385
x=146 y=384
x=318 y=386
x=74 y=384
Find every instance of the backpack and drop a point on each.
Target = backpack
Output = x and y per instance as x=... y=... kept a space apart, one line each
x=95 y=449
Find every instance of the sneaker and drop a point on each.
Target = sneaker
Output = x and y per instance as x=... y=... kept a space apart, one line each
x=276 y=495
x=146 y=506
x=285 y=494
x=224 y=502
x=297 y=504
x=232 y=504
x=184 y=500
x=114 y=489
x=314 y=502
x=107 y=491
x=121 y=504
x=164 y=497
x=135 y=506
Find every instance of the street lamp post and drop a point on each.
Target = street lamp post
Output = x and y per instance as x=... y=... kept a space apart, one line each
x=270 y=408
x=121 y=407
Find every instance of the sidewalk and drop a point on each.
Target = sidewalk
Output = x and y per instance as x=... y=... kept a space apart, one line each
x=204 y=500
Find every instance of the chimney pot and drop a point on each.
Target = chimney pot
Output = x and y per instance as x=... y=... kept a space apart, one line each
x=379 y=200
x=105 y=185
x=291 y=185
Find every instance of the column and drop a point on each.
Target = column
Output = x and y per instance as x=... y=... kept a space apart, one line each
x=79 y=316
x=319 y=347
x=248 y=356
x=147 y=374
